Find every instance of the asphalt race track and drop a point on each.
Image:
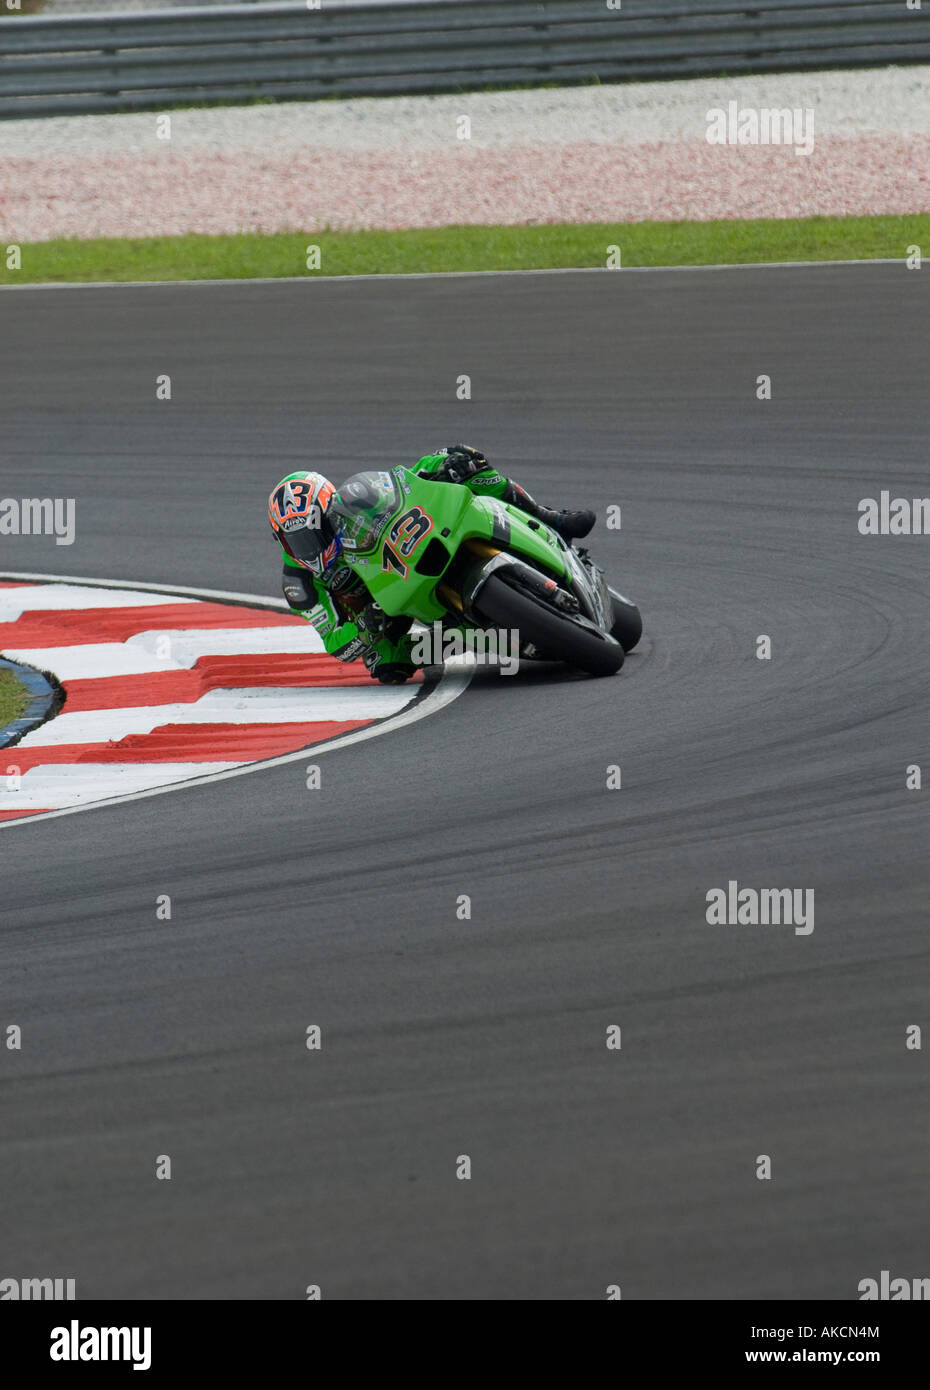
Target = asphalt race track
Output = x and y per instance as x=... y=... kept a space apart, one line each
x=337 y=907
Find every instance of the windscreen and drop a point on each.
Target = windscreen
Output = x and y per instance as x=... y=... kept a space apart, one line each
x=361 y=508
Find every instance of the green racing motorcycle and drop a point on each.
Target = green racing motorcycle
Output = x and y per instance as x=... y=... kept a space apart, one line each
x=435 y=552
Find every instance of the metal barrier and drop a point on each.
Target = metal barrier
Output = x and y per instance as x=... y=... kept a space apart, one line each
x=178 y=57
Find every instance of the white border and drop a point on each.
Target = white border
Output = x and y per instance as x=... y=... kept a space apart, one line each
x=438 y=275
x=222 y=594
x=456 y=676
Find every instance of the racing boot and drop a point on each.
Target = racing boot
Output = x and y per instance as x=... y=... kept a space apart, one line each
x=570 y=525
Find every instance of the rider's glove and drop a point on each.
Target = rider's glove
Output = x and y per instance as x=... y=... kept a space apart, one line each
x=387 y=672
x=393 y=672
x=462 y=461
x=371 y=620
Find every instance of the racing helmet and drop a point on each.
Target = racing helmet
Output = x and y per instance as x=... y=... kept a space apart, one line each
x=297 y=512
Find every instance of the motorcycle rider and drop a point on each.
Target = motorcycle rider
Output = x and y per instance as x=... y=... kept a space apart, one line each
x=322 y=588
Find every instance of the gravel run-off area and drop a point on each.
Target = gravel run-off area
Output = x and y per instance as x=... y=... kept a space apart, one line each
x=588 y=154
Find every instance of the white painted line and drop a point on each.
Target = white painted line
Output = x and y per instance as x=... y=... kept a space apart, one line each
x=249 y=600
x=138 y=655
x=41 y=598
x=261 y=705
x=441 y=275
x=74 y=785
x=91 y=659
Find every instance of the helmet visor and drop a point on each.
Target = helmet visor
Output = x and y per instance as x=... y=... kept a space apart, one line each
x=306 y=543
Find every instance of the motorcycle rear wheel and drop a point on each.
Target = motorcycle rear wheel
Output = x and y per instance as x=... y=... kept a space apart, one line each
x=554 y=635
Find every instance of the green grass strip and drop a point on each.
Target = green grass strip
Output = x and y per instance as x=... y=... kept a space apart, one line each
x=14 y=697
x=250 y=256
